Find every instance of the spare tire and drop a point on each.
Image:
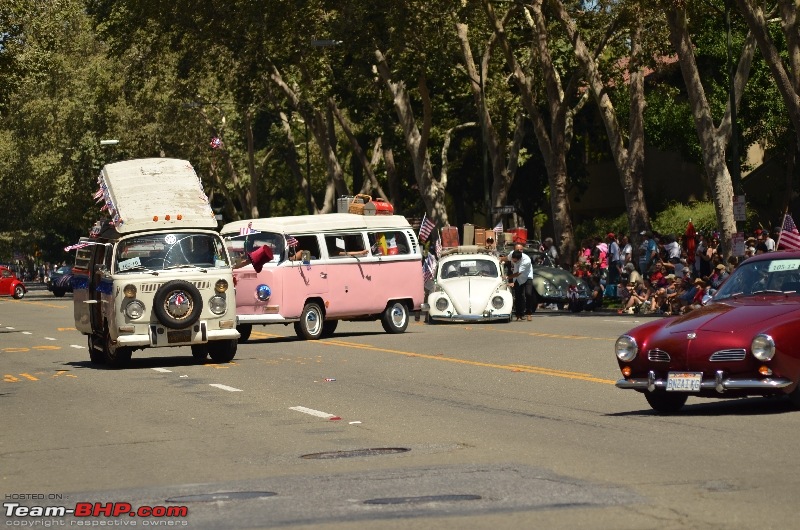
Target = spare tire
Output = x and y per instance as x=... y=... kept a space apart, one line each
x=178 y=304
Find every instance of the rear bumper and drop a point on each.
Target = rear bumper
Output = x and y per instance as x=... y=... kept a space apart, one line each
x=721 y=383
x=158 y=337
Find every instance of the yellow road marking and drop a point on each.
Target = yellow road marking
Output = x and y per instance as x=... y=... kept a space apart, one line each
x=551 y=335
x=15 y=350
x=66 y=329
x=64 y=372
x=29 y=377
x=47 y=347
x=8 y=378
x=510 y=367
x=28 y=302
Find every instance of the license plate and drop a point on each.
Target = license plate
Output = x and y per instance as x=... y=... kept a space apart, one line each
x=183 y=335
x=684 y=381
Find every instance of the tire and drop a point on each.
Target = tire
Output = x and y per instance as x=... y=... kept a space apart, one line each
x=58 y=292
x=666 y=402
x=328 y=327
x=244 y=331
x=794 y=397
x=200 y=353
x=19 y=292
x=222 y=351
x=311 y=322
x=96 y=353
x=395 y=317
x=576 y=306
x=172 y=309
x=116 y=356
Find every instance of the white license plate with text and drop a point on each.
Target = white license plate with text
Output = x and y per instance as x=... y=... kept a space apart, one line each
x=684 y=381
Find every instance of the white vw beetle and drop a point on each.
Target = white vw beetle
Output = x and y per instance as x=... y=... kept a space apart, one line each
x=470 y=286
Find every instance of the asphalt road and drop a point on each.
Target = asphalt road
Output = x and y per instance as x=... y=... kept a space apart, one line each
x=514 y=425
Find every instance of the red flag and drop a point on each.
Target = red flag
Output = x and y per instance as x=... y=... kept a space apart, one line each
x=689 y=236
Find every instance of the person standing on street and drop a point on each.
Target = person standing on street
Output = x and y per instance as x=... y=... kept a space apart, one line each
x=525 y=300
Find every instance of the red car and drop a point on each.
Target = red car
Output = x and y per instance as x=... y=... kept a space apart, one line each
x=10 y=285
x=744 y=342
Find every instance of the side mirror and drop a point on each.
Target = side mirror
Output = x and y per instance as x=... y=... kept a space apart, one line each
x=305 y=256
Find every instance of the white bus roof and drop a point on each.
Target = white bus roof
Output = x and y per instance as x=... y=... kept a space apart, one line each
x=304 y=224
x=139 y=191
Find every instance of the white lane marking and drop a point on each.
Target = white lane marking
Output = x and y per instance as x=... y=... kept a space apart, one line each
x=317 y=413
x=27 y=333
x=49 y=338
x=226 y=387
x=76 y=346
x=162 y=370
x=9 y=327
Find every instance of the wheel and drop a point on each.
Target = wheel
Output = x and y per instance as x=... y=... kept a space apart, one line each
x=328 y=327
x=222 y=351
x=116 y=356
x=311 y=322
x=395 y=318
x=96 y=354
x=19 y=292
x=244 y=331
x=177 y=304
x=666 y=402
x=58 y=292
x=199 y=352
x=794 y=397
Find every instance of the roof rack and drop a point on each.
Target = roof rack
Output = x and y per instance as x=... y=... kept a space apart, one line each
x=466 y=249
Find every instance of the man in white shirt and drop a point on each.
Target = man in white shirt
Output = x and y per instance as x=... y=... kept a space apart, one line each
x=524 y=298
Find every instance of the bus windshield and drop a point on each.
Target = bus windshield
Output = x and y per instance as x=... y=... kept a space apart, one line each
x=171 y=250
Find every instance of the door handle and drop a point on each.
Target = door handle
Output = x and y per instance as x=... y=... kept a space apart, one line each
x=323 y=274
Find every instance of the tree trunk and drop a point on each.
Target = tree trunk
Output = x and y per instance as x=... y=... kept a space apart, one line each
x=712 y=140
x=431 y=189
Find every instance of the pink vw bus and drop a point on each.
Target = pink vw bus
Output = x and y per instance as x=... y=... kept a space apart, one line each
x=325 y=268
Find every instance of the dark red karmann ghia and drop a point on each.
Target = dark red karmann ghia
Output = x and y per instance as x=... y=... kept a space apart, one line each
x=744 y=342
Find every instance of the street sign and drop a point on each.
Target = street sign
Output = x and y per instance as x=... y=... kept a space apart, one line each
x=739 y=208
x=504 y=209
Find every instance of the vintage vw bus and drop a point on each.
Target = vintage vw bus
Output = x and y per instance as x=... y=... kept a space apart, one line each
x=326 y=268
x=155 y=274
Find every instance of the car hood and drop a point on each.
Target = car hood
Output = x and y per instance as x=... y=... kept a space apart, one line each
x=734 y=316
x=559 y=277
x=470 y=295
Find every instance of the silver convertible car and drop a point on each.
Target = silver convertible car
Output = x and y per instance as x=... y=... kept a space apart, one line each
x=469 y=286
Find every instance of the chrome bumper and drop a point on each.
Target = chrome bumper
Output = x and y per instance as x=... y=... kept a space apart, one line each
x=720 y=383
x=154 y=339
x=470 y=318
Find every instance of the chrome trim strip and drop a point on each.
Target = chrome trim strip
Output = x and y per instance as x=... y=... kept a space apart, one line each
x=745 y=383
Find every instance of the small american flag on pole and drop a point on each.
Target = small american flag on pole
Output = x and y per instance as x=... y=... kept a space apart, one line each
x=438 y=247
x=425 y=228
x=428 y=267
x=789 y=238
x=246 y=230
x=76 y=246
x=292 y=241
x=498 y=228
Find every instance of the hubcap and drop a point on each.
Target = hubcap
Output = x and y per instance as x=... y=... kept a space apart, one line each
x=398 y=315
x=313 y=322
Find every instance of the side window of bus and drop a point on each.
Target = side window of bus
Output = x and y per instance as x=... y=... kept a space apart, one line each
x=309 y=243
x=388 y=243
x=345 y=245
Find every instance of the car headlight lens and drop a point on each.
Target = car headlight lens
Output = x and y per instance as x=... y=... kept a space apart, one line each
x=221 y=286
x=134 y=309
x=441 y=304
x=626 y=348
x=763 y=347
x=263 y=292
x=217 y=304
x=497 y=302
x=129 y=291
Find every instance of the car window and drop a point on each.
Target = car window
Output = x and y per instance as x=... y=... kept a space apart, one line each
x=388 y=243
x=779 y=275
x=459 y=268
x=344 y=245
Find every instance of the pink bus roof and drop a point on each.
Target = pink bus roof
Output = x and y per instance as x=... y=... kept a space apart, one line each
x=303 y=224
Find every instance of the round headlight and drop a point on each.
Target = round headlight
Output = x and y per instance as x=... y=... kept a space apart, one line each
x=130 y=291
x=134 y=309
x=763 y=347
x=626 y=348
x=441 y=304
x=221 y=286
x=263 y=292
x=217 y=304
x=497 y=302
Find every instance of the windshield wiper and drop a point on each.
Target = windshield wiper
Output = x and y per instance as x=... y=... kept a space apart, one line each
x=768 y=291
x=140 y=267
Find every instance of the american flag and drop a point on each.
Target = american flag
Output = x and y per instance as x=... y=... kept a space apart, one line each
x=438 y=247
x=428 y=266
x=76 y=246
x=790 y=237
x=498 y=228
x=246 y=230
x=425 y=228
x=292 y=241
